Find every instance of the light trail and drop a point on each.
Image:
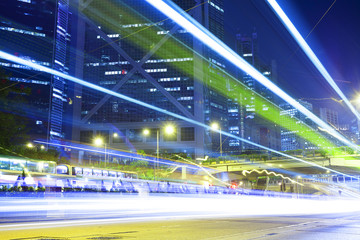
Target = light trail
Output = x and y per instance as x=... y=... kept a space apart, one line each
x=108 y=210
x=38 y=67
x=205 y=36
x=206 y=171
x=311 y=55
x=116 y=154
x=244 y=172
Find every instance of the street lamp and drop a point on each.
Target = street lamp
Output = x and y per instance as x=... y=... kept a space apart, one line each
x=169 y=129
x=30 y=145
x=99 y=142
x=215 y=126
x=146 y=132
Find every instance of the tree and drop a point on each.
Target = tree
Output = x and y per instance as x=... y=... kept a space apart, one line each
x=12 y=124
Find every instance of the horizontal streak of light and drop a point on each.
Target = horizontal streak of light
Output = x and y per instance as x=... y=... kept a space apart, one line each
x=206 y=171
x=180 y=207
x=311 y=55
x=244 y=172
x=19 y=60
x=115 y=154
x=200 y=32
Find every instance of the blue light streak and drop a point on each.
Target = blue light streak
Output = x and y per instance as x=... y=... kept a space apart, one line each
x=38 y=67
x=119 y=155
x=176 y=14
x=76 y=211
x=311 y=55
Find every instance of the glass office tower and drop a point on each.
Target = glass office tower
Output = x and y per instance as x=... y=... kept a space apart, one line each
x=132 y=49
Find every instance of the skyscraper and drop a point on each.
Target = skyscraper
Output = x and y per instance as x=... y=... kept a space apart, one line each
x=251 y=125
x=293 y=139
x=134 y=50
x=330 y=116
x=38 y=31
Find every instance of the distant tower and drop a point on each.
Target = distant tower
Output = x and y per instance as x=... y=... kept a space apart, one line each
x=290 y=140
x=252 y=126
x=330 y=116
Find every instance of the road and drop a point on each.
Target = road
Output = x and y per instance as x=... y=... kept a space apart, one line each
x=339 y=226
x=178 y=217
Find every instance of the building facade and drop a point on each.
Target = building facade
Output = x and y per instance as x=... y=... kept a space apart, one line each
x=135 y=52
x=291 y=139
x=247 y=121
x=329 y=116
x=38 y=31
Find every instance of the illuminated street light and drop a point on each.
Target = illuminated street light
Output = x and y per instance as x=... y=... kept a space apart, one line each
x=215 y=126
x=42 y=147
x=146 y=132
x=30 y=145
x=99 y=142
x=169 y=129
x=115 y=135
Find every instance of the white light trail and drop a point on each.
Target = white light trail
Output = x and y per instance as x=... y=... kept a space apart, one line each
x=127 y=209
x=244 y=172
x=311 y=55
x=33 y=65
x=205 y=36
x=117 y=154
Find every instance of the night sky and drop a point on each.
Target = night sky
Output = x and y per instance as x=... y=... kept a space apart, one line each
x=335 y=41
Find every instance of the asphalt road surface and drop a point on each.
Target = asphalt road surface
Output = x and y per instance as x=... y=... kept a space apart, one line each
x=332 y=226
x=178 y=217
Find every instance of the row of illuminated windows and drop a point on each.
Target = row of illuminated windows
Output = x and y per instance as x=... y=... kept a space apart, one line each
x=23 y=66
x=171 y=89
x=169 y=79
x=11 y=29
x=166 y=32
x=24 y=80
x=156 y=70
x=216 y=62
x=95 y=64
x=141 y=25
x=137 y=81
x=123 y=72
x=215 y=105
x=107 y=63
x=129 y=81
x=110 y=36
x=188 y=98
x=169 y=60
x=216 y=6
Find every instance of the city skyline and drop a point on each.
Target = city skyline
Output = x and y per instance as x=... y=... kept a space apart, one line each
x=179 y=119
x=275 y=43
x=261 y=134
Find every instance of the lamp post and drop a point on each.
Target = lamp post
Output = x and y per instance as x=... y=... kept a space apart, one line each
x=146 y=133
x=169 y=129
x=215 y=126
x=99 y=142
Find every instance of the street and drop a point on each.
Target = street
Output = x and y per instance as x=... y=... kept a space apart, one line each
x=333 y=226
